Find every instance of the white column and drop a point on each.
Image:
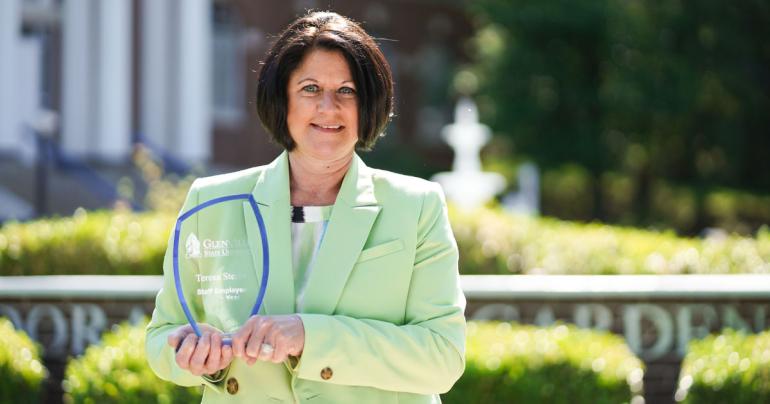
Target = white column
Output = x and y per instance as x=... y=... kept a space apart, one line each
x=113 y=110
x=193 y=120
x=155 y=101
x=10 y=127
x=28 y=106
x=76 y=77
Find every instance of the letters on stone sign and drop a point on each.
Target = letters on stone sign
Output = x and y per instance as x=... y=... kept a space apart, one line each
x=673 y=327
x=87 y=322
x=75 y=326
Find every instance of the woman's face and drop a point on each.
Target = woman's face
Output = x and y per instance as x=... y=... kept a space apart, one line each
x=323 y=106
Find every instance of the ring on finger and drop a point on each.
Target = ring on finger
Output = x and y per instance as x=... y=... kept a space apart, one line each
x=266 y=349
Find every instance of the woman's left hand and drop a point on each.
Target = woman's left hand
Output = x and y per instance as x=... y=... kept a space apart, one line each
x=269 y=338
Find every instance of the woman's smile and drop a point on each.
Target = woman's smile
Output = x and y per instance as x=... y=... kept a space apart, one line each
x=327 y=128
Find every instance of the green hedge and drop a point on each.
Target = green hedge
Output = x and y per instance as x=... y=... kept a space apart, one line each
x=21 y=370
x=729 y=368
x=490 y=241
x=109 y=243
x=509 y=363
x=116 y=371
x=493 y=242
x=569 y=191
x=505 y=363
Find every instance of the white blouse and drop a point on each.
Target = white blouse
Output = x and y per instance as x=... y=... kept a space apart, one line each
x=308 y=227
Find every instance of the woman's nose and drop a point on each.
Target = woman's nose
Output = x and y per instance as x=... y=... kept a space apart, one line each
x=328 y=101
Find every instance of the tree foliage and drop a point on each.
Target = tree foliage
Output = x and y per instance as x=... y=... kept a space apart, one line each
x=655 y=89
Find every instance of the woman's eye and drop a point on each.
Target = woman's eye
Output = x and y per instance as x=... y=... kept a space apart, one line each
x=310 y=88
x=346 y=91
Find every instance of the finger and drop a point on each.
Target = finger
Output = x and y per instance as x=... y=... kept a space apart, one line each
x=253 y=346
x=198 y=359
x=280 y=354
x=173 y=339
x=267 y=349
x=256 y=338
x=277 y=343
x=250 y=360
x=285 y=347
x=241 y=337
x=238 y=343
x=185 y=351
x=176 y=337
x=213 y=360
x=227 y=356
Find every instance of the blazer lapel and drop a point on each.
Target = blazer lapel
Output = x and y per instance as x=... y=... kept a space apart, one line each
x=353 y=215
x=271 y=193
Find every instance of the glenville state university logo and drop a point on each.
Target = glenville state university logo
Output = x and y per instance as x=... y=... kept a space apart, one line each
x=212 y=248
x=193 y=246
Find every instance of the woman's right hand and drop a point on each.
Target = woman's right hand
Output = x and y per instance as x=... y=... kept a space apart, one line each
x=201 y=356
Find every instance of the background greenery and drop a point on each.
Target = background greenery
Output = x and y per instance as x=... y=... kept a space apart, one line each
x=21 y=369
x=494 y=242
x=731 y=367
x=105 y=243
x=491 y=241
x=116 y=371
x=511 y=363
x=506 y=362
x=651 y=112
x=568 y=192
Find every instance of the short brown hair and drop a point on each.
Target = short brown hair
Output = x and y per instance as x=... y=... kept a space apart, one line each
x=330 y=31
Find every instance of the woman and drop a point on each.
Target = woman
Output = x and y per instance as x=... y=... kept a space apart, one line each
x=363 y=300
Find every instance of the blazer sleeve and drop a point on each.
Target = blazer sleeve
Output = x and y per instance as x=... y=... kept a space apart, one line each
x=425 y=355
x=168 y=316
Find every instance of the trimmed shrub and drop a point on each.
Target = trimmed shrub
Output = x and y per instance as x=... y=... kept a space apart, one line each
x=510 y=363
x=21 y=370
x=736 y=210
x=495 y=242
x=491 y=242
x=732 y=367
x=100 y=243
x=569 y=192
x=116 y=371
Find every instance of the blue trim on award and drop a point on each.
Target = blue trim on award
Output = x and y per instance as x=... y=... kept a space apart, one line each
x=265 y=256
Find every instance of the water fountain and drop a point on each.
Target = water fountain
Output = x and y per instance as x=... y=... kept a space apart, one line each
x=466 y=185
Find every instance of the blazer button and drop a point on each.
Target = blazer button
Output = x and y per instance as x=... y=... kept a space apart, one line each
x=232 y=385
x=326 y=373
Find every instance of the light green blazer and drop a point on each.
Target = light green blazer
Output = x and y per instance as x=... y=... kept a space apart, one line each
x=383 y=307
